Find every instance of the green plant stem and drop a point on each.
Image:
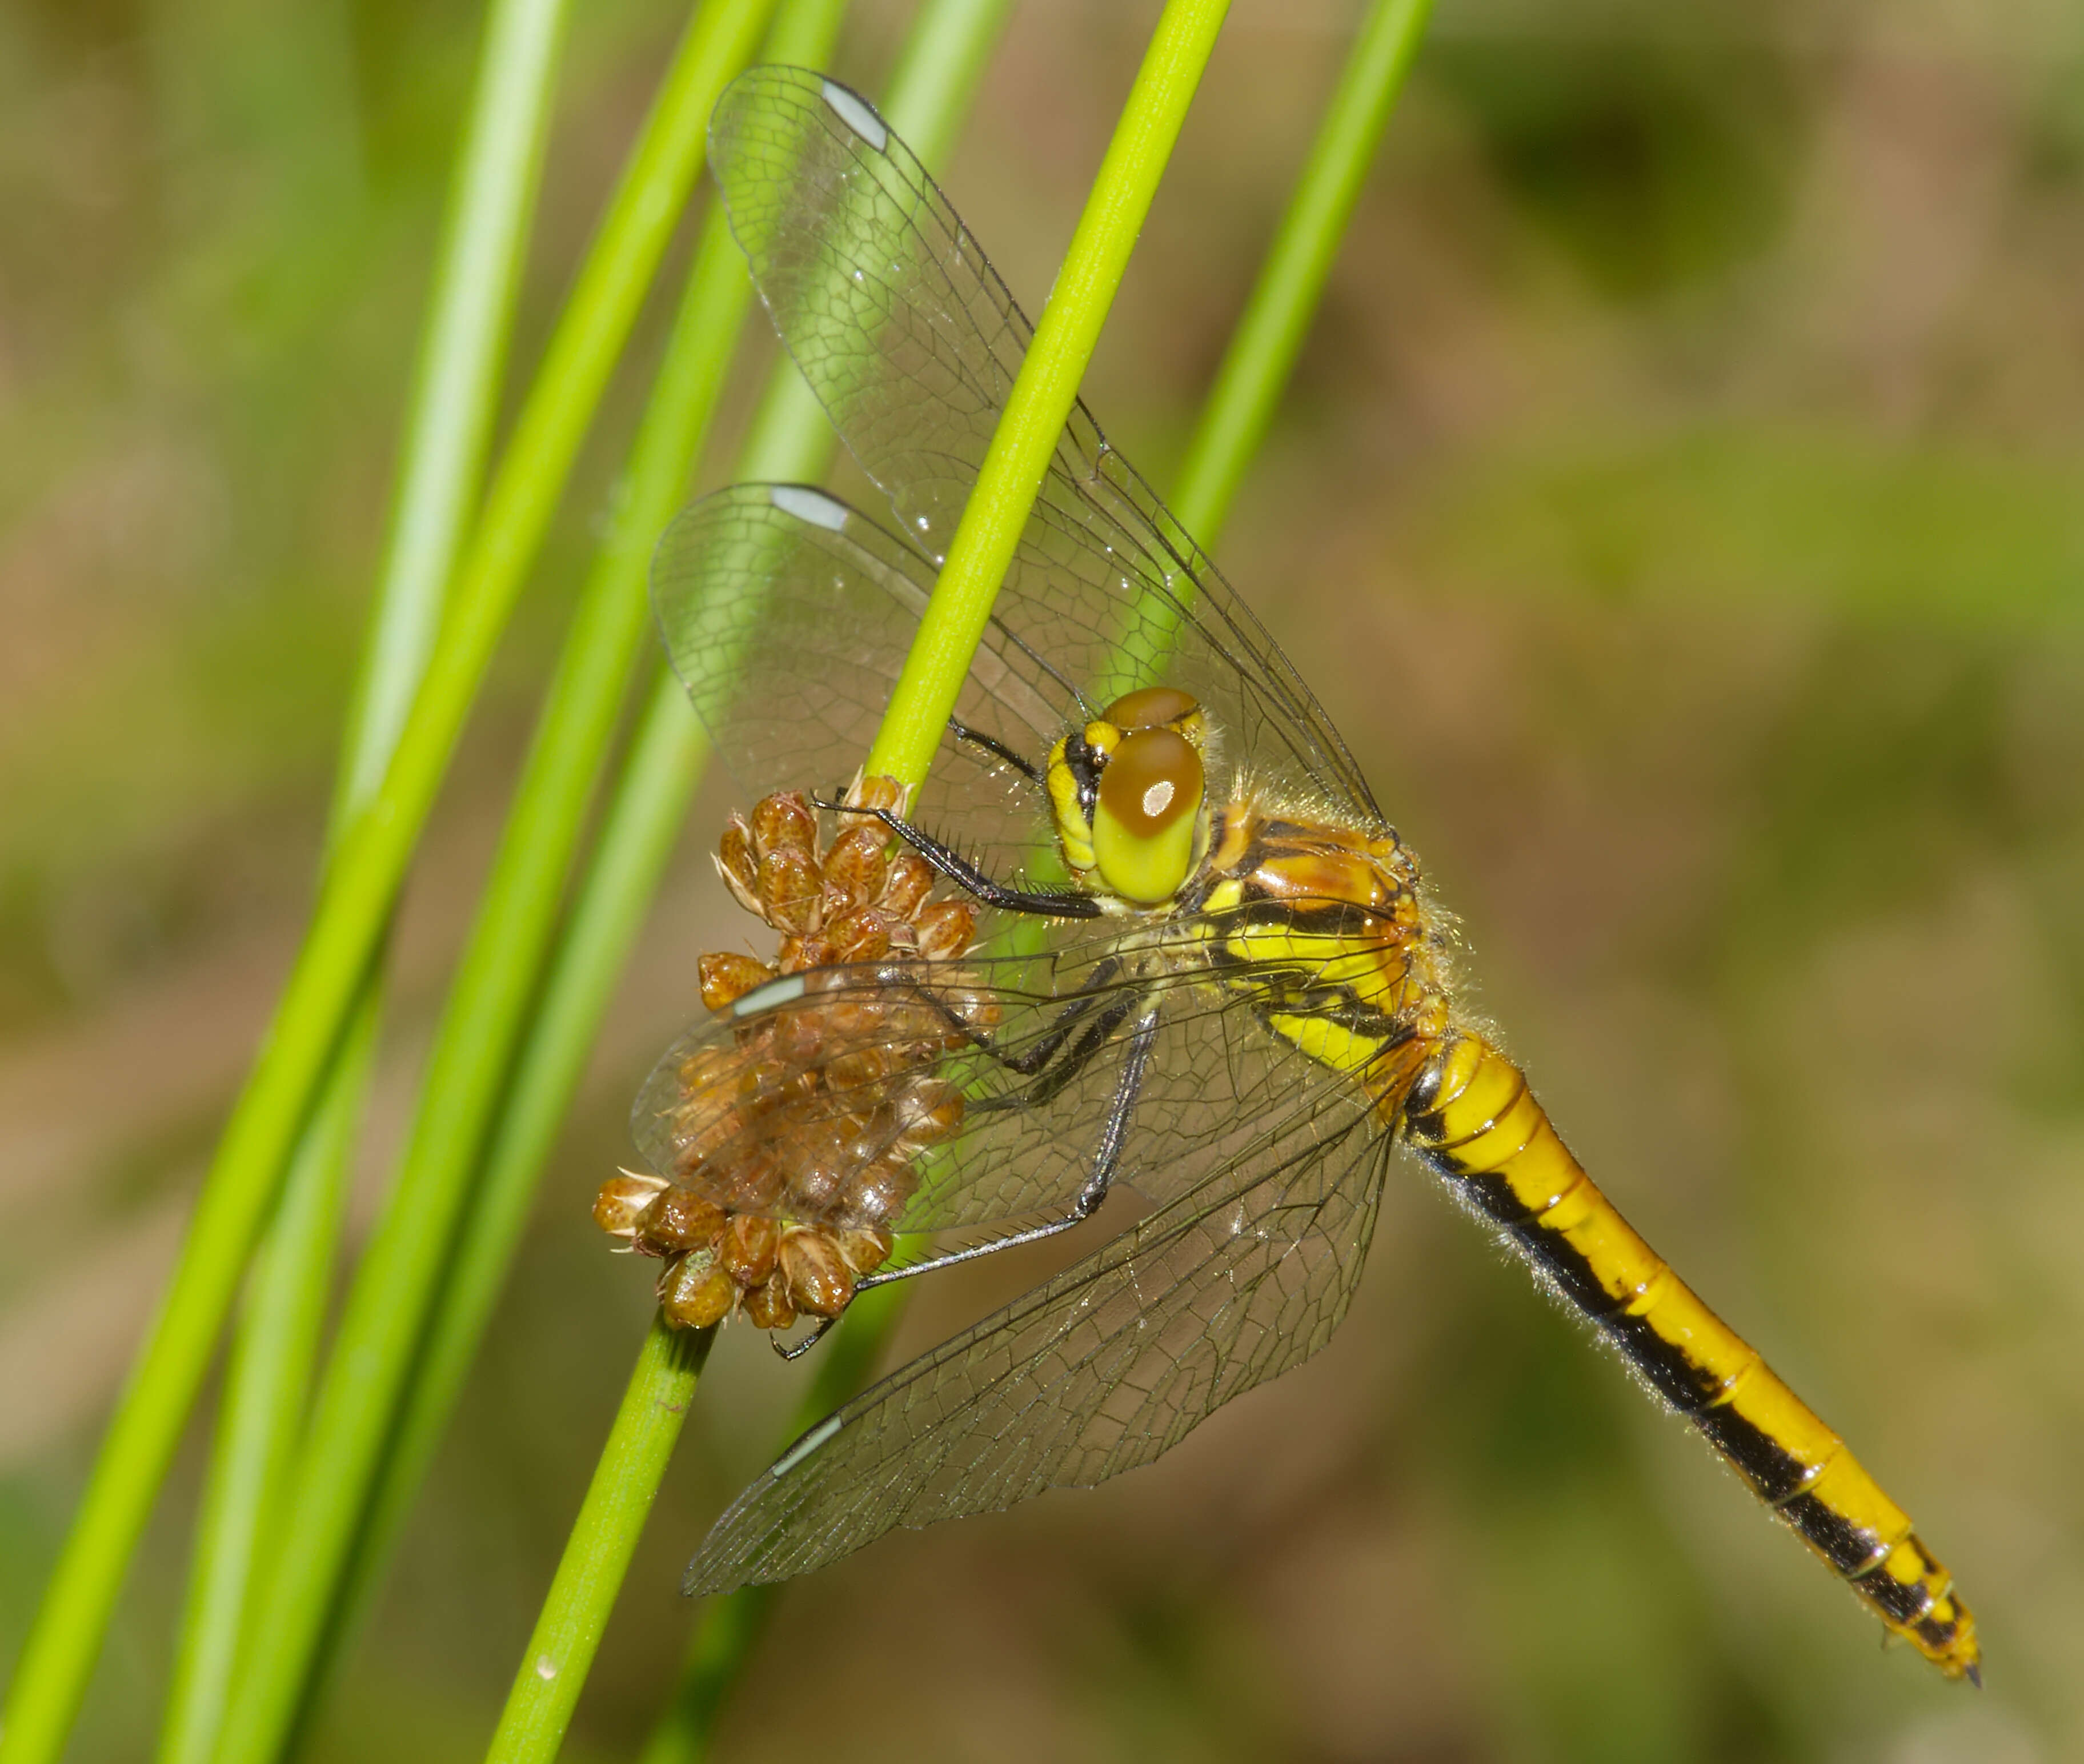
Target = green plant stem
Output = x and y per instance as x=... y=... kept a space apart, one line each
x=540 y=1703
x=556 y=1030
x=456 y=380
x=1044 y=390
x=268 y=1372
x=729 y=1628
x=355 y=1411
x=1277 y=317
x=930 y=96
x=625 y=1481
x=448 y=425
x=638 y=829
x=788 y=438
x=360 y=887
x=409 y=1255
x=1233 y=423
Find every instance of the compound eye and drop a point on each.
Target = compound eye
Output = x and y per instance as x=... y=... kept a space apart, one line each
x=1148 y=815
x=1150 y=706
x=1154 y=777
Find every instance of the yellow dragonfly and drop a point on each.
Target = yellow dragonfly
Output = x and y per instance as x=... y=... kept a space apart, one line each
x=1209 y=971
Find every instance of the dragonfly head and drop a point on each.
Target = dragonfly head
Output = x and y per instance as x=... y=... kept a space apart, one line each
x=1130 y=796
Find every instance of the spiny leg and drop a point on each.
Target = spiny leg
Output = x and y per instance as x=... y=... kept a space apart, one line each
x=1107 y=1160
x=958 y=870
x=1096 y=1036
x=996 y=749
x=1038 y=1053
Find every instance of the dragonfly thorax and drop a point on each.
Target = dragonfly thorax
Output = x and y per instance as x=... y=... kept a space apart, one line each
x=1128 y=793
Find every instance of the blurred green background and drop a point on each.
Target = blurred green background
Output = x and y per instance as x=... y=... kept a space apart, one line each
x=1677 y=506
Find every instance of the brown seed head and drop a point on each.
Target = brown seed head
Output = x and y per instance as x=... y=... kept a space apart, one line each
x=926 y=1112
x=880 y=792
x=694 y=1293
x=784 y=822
x=856 y=868
x=859 y=937
x=736 y=863
x=865 y=1248
x=623 y=1197
x=819 y=1160
x=820 y=1280
x=797 y=954
x=852 y=1071
x=768 y=1306
x=911 y=880
x=677 y=1221
x=705 y=1120
x=726 y=977
x=745 y=1252
x=790 y=889
x=747 y=1176
x=877 y=1194
x=946 y=928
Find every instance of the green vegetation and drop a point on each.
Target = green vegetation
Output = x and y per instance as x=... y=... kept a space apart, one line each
x=1674 y=504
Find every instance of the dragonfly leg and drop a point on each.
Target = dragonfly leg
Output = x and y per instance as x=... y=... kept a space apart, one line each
x=1037 y=1057
x=797 y=1349
x=1097 y=1033
x=1039 y=1052
x=958 y=870
x=998 y=750
x=1107 y=1160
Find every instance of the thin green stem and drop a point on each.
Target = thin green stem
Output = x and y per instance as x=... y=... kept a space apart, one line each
x=935 y=81
x=455 y=384
x=1232 y=424
x=930 y=93
x=269 y=1370
x=625 y=1481
x=355 y=1412
x=637 y=832
x=729 y=1628
x=538 y=1708
x=638 y=828
x=448 y=425
x=788 y=438
x=362 y=885
x=1262 y=350
x=1044 y=390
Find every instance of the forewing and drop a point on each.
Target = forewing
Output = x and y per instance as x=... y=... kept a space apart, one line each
x=912 y=341
x=787 y=615
x=1241 y=1276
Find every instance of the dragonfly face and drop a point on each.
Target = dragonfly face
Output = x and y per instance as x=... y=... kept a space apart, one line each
x=1238 y=1003
x=1128 y=794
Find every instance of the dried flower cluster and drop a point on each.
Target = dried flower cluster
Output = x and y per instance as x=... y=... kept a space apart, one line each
x=796 y=1146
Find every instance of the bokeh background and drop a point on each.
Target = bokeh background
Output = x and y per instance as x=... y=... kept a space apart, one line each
x=1680 y=506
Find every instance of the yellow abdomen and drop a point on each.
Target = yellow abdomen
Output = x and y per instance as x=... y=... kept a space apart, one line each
x=1324 y=928
x=1472 y=1116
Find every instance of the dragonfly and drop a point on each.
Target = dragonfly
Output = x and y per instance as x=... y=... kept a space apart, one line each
x=1206 y=970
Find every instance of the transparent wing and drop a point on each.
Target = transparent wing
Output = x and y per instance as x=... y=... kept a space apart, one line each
x=907 y=334
x=1241 y=1276
x=787 y=615
x=931 y=1096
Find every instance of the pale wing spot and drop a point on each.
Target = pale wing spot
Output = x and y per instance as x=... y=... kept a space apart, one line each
x=814 y=508
x=785 y=991
x=857 y=115
x=803 y=1448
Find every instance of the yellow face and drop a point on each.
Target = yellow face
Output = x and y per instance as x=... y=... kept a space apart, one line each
x=1130 y=796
